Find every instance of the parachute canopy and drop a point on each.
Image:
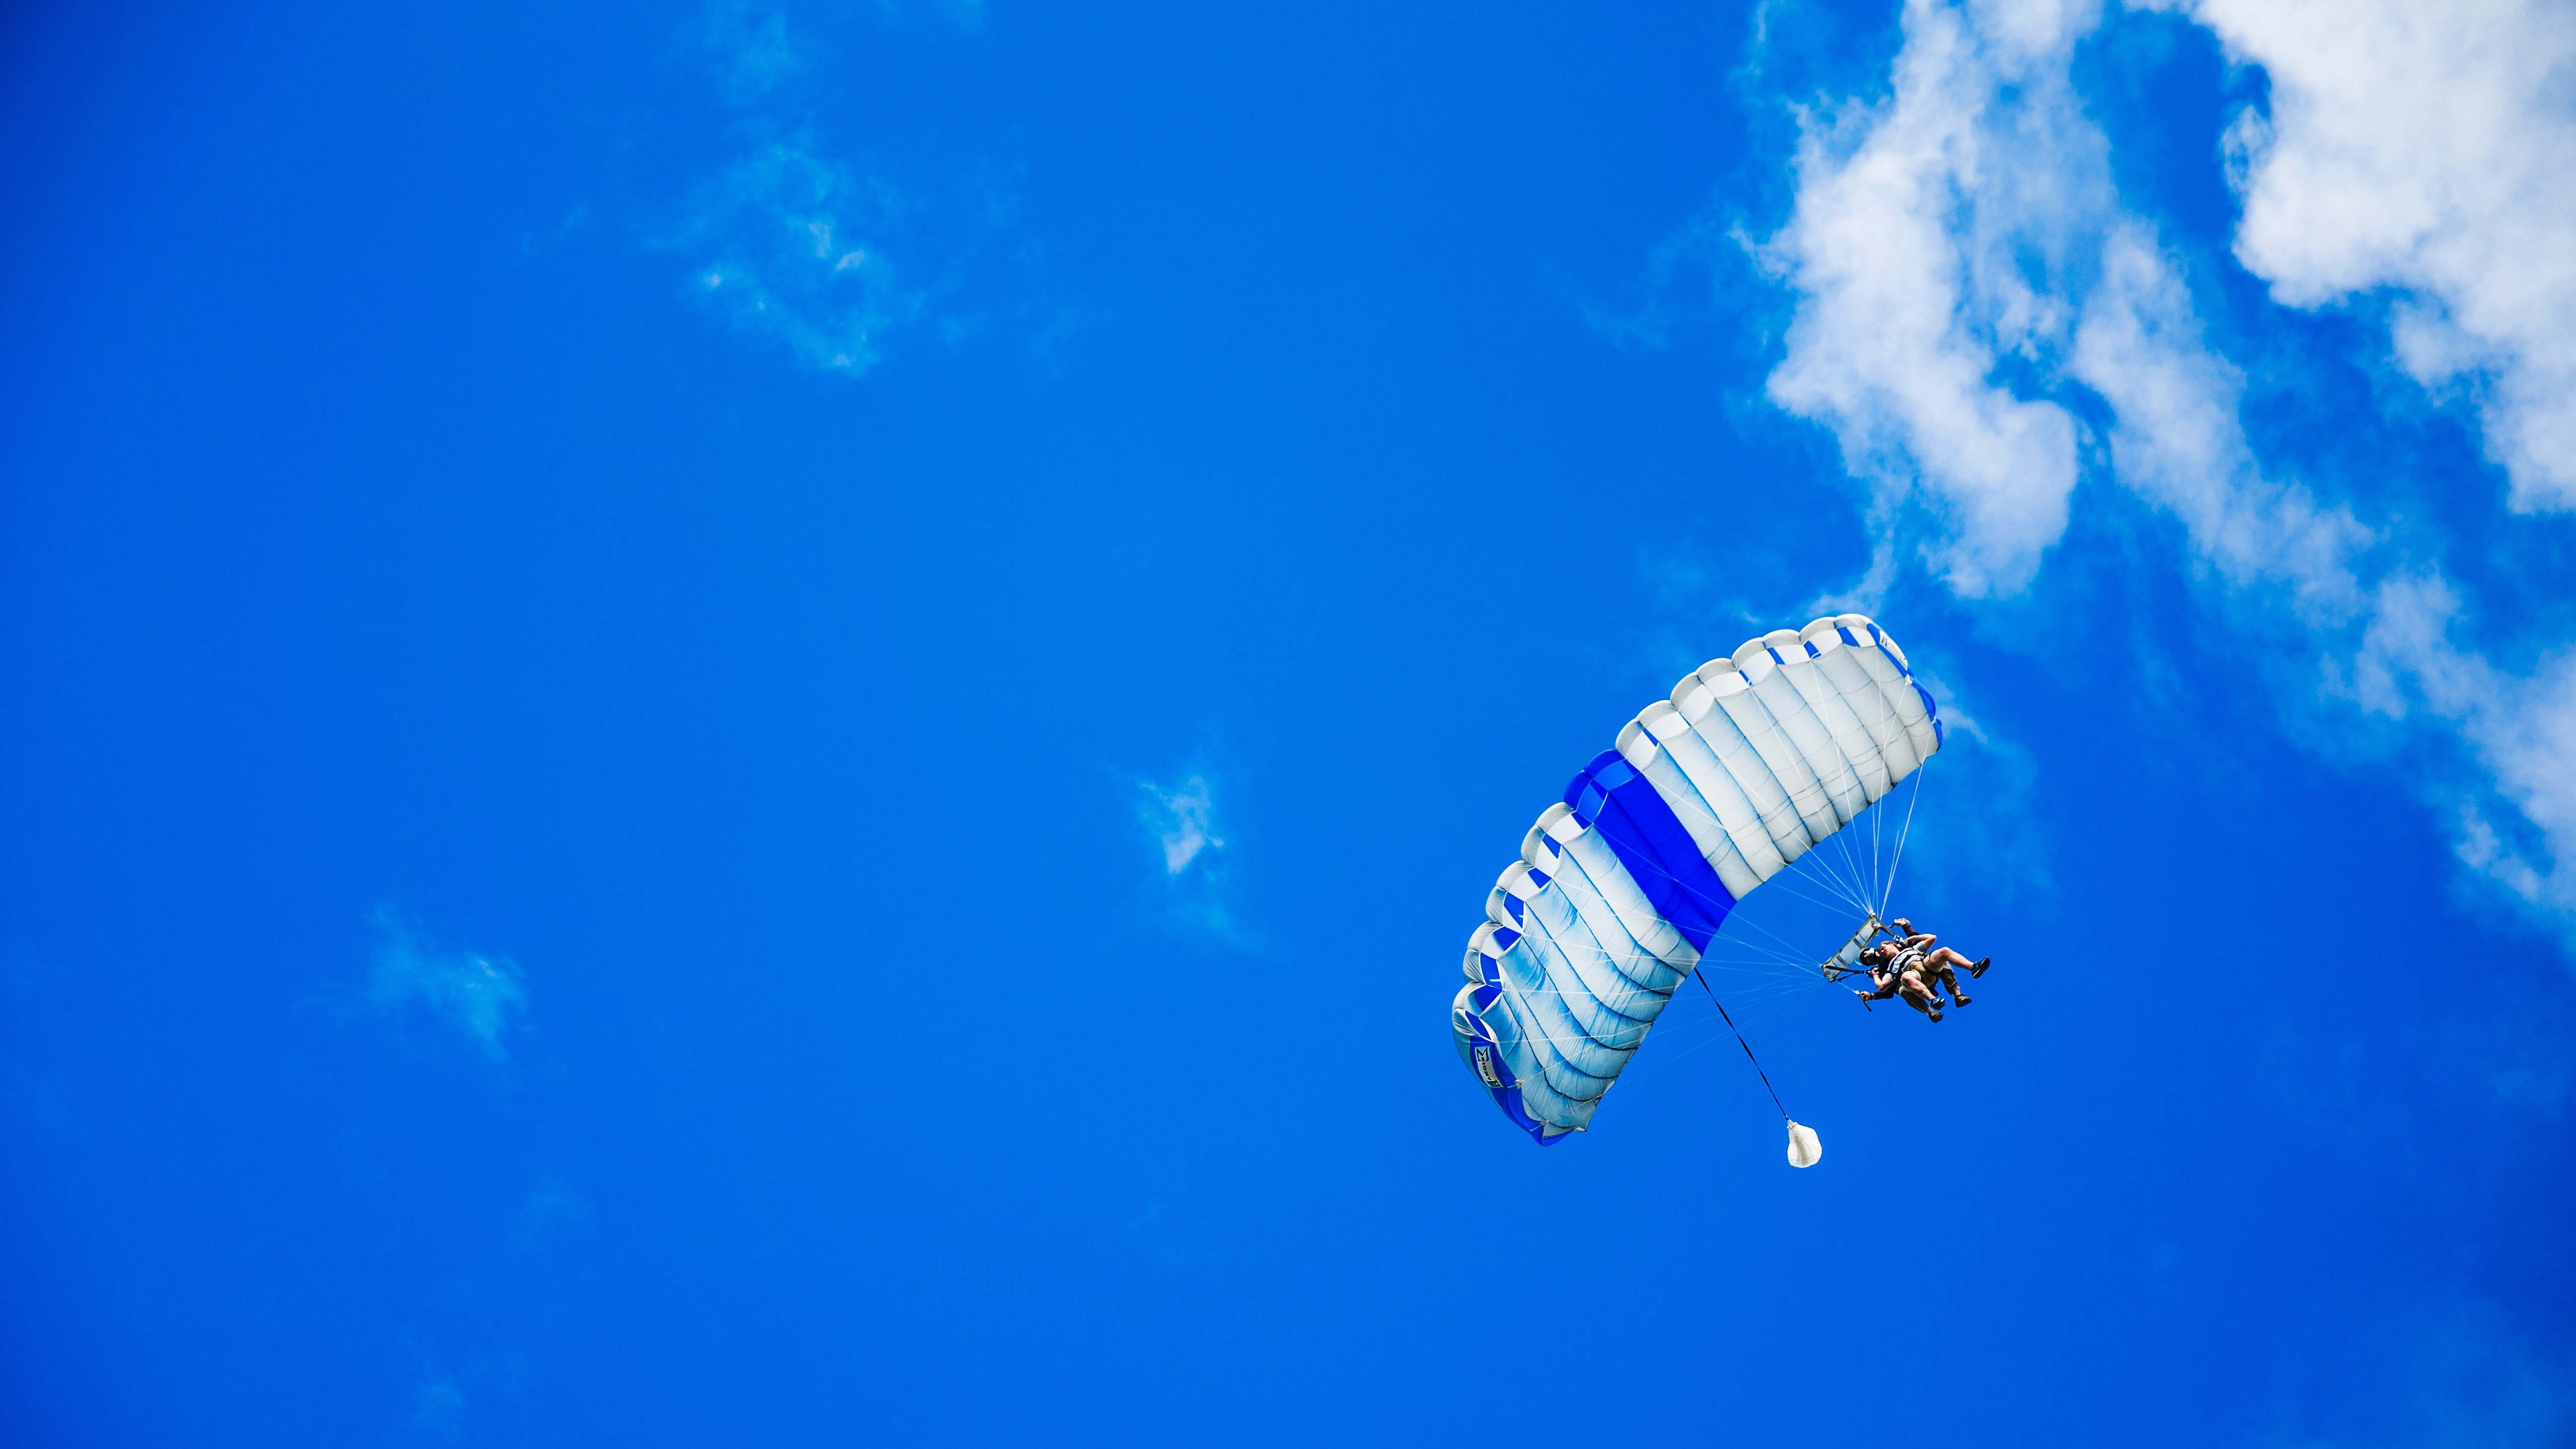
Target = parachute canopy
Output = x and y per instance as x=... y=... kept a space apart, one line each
x=1755 y=759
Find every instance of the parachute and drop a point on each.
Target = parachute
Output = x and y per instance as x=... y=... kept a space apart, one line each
x=1622 y=886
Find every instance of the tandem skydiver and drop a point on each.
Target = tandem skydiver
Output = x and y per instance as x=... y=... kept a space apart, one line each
x=1891 y=979
x=1940 y=964
x=1915 y=967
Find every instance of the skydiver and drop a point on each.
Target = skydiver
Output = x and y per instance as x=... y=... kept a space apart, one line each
x=1939 y=964
x=1898 y=976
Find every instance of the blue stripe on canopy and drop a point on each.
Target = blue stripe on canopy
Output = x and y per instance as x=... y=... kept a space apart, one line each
x=1610 y=797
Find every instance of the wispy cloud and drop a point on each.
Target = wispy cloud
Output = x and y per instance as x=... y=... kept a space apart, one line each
x=1181 y=818
x=1981 y=323
x=1180 y=828
x=2001 y=845
x=2429 y=151
x=1929 y=255
x=482 y=996
x=791 y=244
x=437 y=1410
x=553 y=1210
x=798 y=239
x=2434 y=1370
x=753 y=50
x=2520 y=828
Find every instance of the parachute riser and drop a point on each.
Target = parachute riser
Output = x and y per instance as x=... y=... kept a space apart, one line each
x=1843 y=962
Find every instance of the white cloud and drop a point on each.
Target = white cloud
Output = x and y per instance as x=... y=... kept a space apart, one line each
x=1196 y=894
x=2520 y=829
x=1924 y=242
x=2428 y=149
x=792 y=240
x=788 y=238
x=1969 y=287
x=1180 y=818
x=2175 y=437
x=481 y=996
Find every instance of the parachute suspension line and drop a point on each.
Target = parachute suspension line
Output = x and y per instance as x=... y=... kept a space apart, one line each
x=1853 y=880
x=1848 y=877
x=1740 y=1041
x=1877 y=860
x=1902 y=832
x=1791 y=882
x=1815 y=868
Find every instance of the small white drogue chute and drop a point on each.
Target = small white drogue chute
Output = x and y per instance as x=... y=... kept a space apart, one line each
x=1804 y=1149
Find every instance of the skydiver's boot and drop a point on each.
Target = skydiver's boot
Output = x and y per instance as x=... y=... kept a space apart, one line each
x=1980 y=968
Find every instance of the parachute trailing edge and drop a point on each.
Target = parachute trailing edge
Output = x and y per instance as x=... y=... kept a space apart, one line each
x=1754 y=760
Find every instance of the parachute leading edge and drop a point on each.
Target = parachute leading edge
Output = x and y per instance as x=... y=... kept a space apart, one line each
x=1754 y=760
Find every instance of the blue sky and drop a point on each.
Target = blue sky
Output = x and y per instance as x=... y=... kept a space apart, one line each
x=777 y=725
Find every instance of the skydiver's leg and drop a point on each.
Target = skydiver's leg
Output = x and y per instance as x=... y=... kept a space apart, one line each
x=1903 y=986
x=1918 y=995
x=1941 y=969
